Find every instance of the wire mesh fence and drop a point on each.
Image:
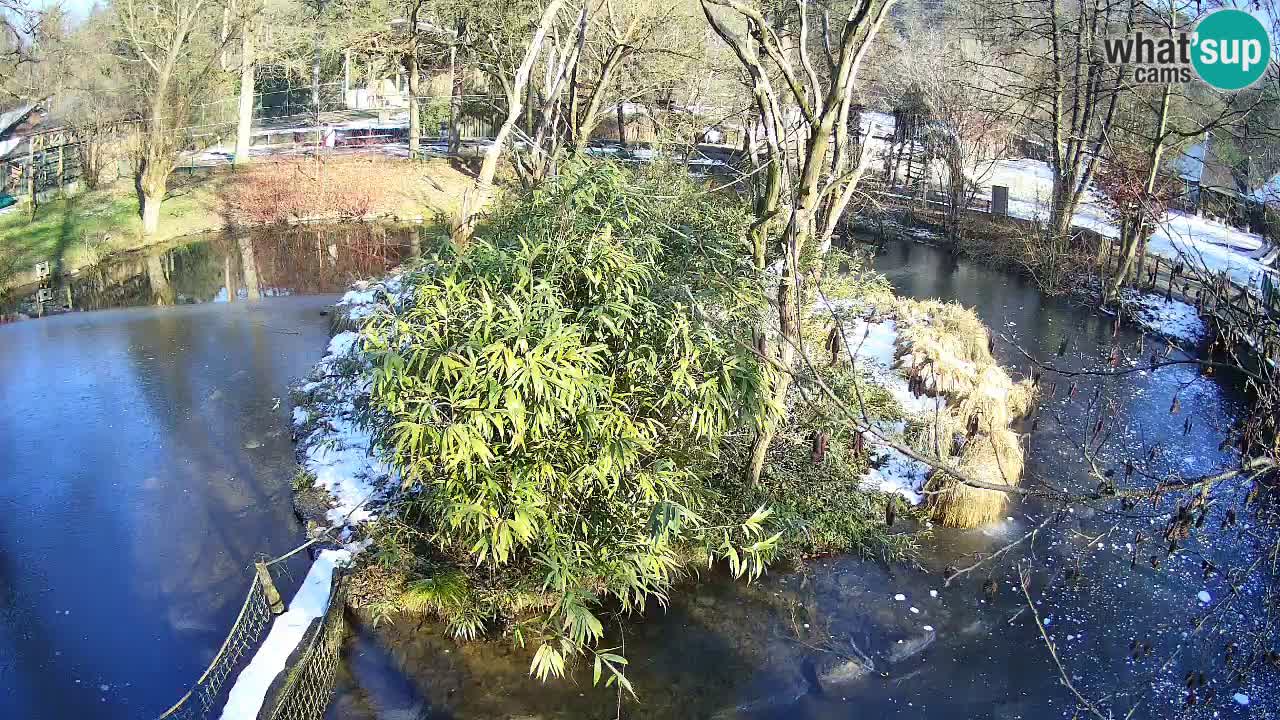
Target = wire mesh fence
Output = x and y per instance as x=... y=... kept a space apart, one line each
x=202 y=701
x=309 y=685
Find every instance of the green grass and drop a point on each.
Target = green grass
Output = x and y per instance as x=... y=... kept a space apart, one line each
x=79 y=230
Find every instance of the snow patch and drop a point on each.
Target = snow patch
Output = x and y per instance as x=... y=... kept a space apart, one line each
x=1203 y=243
x=873 y=346
x=1173 y=319
x=312 y=600
x=339 y=452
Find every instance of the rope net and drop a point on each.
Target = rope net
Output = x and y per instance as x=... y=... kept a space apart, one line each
x=202 y=701
x=308 y=684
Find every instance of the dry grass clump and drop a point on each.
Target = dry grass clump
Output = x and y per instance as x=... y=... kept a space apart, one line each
x=945 y=350
x=995 y=458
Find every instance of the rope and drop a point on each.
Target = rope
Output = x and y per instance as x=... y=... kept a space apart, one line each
x=245 y=633
x=324 y=534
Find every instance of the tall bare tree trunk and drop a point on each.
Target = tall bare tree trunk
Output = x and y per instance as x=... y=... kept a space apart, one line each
x=415 y=129
x=800 y=231
x=622 y=124
x=1134 y=237
x=244 y=120
x=456 y=88
x=317 y=41
x=411 y=67
x=476 y=198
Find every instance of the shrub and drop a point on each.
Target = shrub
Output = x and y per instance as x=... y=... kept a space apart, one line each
x=559 y=391
x=306 y=189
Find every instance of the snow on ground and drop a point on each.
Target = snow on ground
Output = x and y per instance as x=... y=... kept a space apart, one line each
x=339 y=452
x=361 y=300
x=1211 y=245
x=312 y=600
x=873 y=345
x=1203 y=243
x=1173 y=319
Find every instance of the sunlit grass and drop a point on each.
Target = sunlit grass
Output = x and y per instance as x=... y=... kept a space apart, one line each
x=78 y=230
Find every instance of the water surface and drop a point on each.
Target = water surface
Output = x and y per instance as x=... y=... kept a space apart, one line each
x=726 y=649
x=146 y=459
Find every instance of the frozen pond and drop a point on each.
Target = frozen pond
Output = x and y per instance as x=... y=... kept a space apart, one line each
x=145 y=458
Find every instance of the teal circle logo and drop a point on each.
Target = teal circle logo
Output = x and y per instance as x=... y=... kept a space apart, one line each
x=1232 y=49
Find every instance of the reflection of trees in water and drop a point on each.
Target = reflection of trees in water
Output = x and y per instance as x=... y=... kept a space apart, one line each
x=266 y=261
x=248 y=267
x=158 y=279
x=158 y=269
x=327 y=259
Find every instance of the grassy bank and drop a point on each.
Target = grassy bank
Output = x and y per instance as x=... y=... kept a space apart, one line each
x=79 y=230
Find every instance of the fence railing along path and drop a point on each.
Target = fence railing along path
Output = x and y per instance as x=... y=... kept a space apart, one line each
x=309 y=682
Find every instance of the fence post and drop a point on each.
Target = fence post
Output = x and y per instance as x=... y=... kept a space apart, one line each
x=31 y=174
x=269 y=588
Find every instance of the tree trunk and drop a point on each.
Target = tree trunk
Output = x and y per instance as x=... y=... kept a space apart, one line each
x=788 y=333
x=415 y=129
x=1135 y=236
x=622 y=125
x=799 y=233
x=457 y=85
x=244 y=120
x=151 y=199
x=315 y=69
x=476 y=198
x=582 y=127
x=152 y=179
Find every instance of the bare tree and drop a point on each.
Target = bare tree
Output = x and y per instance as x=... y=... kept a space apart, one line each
x=514 y=84
x=969 y=125
x=170 y=49
x=1052 y=53
x=825 y=174
x=248 y=78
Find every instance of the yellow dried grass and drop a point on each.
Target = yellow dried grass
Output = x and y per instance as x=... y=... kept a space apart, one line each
x=995 y=459
x=945 y=349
